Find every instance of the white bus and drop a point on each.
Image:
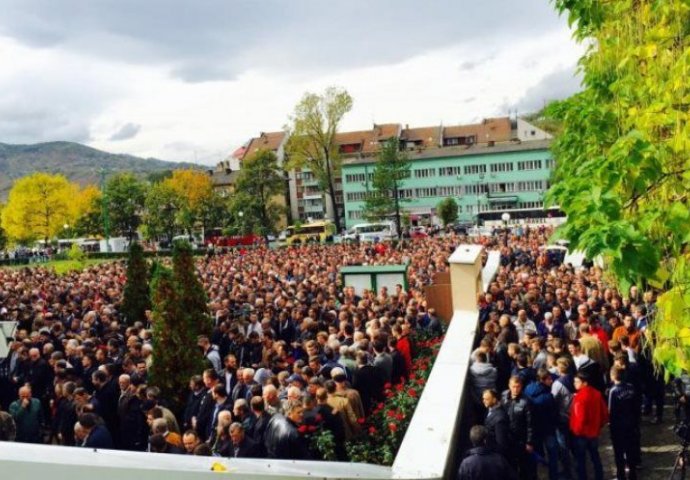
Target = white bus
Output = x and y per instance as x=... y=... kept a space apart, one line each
x=370 y=232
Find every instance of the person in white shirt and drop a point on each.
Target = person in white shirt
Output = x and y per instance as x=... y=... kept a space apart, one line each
x=524 y=325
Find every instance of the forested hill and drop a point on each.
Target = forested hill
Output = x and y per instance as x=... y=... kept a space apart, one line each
x=77 y=162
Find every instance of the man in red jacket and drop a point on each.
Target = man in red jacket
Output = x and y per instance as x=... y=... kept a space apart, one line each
x=588 y=414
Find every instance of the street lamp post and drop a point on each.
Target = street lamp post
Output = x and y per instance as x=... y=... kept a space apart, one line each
x=506 y=218
x=241 y=215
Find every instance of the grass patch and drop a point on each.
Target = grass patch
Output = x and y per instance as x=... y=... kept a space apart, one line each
x=63 y=267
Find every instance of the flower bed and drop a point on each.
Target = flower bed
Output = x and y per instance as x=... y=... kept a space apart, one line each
x=384 y=430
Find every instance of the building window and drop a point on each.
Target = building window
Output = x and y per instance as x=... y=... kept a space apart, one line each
x=449 y=171
x=474 y=169
x=503 y=187
x=530 y=186
x=426 y=192
x=476 y=189
x=502 y=167
x=356 y=196
x=406 y=193
x=529 y=165
x=355 y=177
x=354 y=214
x=452 y=141
x=531 y=205
x=550 y=164
x=425 y=173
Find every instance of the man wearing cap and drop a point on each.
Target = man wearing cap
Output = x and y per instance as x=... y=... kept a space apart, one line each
x=343 y=389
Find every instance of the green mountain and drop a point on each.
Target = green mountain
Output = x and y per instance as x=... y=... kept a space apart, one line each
x=77 y=162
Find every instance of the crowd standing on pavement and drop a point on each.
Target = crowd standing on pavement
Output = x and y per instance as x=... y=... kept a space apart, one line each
x=561 y=355
x=291 y=350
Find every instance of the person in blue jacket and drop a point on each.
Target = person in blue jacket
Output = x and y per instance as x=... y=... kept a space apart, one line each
x=544 y=419
x=97 y=435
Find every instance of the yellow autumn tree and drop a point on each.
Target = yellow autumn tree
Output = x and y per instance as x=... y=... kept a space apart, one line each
x=193 y=189
x=38 y=206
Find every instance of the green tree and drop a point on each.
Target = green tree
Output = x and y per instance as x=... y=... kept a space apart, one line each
x=447 y=209
x=89 y=212
x=162 y=206
x=391 y=169
x=125 y=202
x=623 y=158
x=192 y=293
x=312 y=143
x=179 y=316
x=258 y=184
x=136 y=298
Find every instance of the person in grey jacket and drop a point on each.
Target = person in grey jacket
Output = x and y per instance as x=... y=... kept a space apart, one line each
x=482 y=377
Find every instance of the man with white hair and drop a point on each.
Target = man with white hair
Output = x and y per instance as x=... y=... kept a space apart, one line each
x=28 y=416
x=131 y=418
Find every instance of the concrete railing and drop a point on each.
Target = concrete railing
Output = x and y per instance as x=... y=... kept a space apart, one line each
x=428 y=449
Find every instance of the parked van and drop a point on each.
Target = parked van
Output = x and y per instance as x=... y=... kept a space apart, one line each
x=370 y=232
x=314 y=232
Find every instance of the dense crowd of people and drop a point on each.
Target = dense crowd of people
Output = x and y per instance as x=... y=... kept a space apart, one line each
x=291 y=350
x=561 y=355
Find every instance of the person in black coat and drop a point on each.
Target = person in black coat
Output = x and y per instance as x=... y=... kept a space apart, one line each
x=262 y=419
x=519 y=410
x=194 y=398
x=497 y=424
x=107 y=393
x=204 y=418
x=132 y=422
x=283 y=441
x=482 y=462
x=368 y=381
x=243 y=446
x=624 y=421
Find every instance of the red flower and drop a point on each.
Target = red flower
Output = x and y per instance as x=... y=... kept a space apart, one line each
x=399 y=417
x=399 y=387
x=379 y=406
x=420 y=381
x=412 y=377
x=391 y=413
x=372 y=430
x=412 y=392
x=312 y=428
x=387 y=385
x=360 y=420
x=392 y=427
x=302 y=429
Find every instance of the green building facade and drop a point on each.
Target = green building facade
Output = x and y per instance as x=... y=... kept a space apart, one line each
x=485 y=181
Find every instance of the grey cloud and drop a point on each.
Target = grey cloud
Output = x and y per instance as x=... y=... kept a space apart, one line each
x=127 y=131
x=42 y=105
x=555 y=86
x=219 y=39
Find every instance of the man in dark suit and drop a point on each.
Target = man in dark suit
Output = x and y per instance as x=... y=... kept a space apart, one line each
x=194 y=398
x=202 y=423
x=132 y=421
x=497 y=424
x=368 y=381
x=97 y=435
x=242 y=445
x=107 y=393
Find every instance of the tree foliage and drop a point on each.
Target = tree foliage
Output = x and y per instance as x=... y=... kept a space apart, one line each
x=136 y=299
x=312 y=137
x=623 y=158
x=88 y=212
x=125 y=196
x=37 y=208
x=193 y=189
x=3 y=235
x=259 y=182
x=162 y=205
x=447 y=210
x=179 y=316
x=391 y=169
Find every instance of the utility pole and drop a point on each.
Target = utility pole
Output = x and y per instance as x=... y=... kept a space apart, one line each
x=104 y=208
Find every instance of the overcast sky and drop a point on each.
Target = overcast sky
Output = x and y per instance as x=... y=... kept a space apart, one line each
x=184 y=80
